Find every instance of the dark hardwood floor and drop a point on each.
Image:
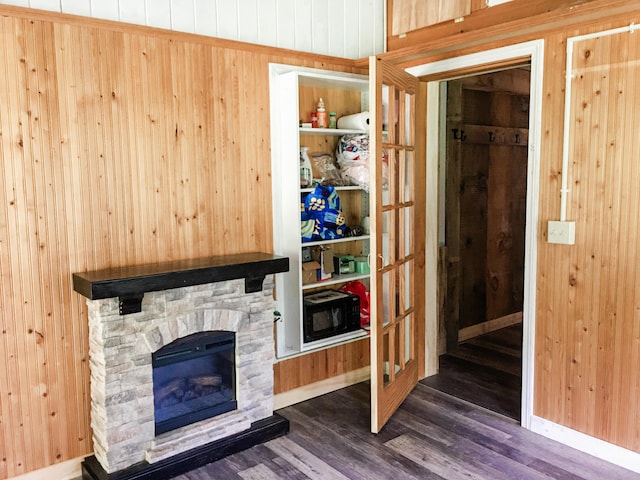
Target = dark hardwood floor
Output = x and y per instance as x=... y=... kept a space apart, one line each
x=432 y=436
x=486 y=371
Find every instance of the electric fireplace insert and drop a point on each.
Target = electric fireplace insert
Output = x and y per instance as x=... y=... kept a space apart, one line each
x=194 y=379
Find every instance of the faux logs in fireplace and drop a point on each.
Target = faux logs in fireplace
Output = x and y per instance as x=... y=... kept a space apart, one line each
x=194 y=379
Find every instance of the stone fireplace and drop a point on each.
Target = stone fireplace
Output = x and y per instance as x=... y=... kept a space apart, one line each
x=163 y=314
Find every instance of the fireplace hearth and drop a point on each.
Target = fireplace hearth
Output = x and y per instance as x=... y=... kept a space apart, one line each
x=187 y=379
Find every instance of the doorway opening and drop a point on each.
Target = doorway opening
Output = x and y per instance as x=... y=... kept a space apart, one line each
x=483 y=195
x=528 y=56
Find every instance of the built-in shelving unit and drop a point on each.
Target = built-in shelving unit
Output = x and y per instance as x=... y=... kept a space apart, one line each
x=294 y=92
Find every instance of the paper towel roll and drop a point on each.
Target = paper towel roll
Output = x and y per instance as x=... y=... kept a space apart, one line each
x=357 y=121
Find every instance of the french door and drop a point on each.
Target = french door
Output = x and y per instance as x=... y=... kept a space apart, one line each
x=397 y=104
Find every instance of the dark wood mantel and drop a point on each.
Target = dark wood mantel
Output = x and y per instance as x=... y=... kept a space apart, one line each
x=131 y=283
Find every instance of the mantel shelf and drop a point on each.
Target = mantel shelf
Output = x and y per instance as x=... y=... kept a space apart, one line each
x=131 y=283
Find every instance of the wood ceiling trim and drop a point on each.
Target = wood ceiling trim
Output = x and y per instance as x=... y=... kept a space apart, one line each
x=502 y=24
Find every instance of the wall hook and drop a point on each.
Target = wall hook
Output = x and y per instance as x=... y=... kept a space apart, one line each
x=517 y=138
x=492 y=137
x=461 y=136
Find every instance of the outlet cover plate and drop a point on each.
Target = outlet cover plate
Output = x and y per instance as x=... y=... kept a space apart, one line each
x=560 y=232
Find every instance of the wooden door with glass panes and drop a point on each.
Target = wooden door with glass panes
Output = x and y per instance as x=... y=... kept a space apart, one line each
x=397 y=162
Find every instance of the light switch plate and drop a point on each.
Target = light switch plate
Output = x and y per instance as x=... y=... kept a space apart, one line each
x=561 y=232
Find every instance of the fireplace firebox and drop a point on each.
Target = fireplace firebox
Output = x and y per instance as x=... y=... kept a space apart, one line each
x=194 y=379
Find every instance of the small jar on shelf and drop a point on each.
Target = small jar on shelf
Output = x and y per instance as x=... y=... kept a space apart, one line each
x=332 y=120
x=305 y=168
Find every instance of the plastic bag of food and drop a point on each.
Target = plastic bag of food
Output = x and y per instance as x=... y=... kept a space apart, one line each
x=352 y=154
x=325 y=170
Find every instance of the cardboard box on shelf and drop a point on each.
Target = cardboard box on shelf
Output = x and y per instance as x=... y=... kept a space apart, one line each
x=324 y=256
x=310 y=272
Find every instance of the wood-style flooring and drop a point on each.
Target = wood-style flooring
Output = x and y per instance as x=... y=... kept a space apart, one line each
x=432 y=436
x=486 y=371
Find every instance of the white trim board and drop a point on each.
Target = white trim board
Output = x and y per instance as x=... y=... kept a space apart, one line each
x=67 y=470
x=585 y=443
x=316 y=389
x=535 y=51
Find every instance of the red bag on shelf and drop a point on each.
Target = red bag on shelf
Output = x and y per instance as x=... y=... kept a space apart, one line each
x=358 y=288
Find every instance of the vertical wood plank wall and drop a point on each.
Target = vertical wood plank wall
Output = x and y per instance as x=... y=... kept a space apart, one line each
x=587 y=338
x=118 y=145
x=485 y=218
x=320 y=365
x=588 y=324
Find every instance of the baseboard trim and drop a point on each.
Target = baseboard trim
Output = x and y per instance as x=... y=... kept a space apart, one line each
x=316 y=389
x=489 y=326
x=593 y=446
x=67 y=470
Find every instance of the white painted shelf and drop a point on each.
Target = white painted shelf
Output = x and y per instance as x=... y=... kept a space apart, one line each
x=337 y=279
x=335 y=240
x=330 y=131
x=341 y=188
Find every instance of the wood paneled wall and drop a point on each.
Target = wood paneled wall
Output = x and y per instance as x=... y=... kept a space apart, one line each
x=319 y=365
x=587 y=340
x=119 y=145
x=588 y=323
x=409 y=15
x=485 y=197
x=464 y=19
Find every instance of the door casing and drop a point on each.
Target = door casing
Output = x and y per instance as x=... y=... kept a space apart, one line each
x=534 y=52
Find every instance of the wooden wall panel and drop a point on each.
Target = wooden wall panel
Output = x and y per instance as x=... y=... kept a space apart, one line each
x=409 y=15
x=507 y=193
x=587 y=337
x=320 y=365
x=587 y=372
x=511 y=19
x=473 y=234
x=119 y=145
x=491 y=194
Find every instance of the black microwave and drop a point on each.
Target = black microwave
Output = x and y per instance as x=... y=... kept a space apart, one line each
x=328 y=313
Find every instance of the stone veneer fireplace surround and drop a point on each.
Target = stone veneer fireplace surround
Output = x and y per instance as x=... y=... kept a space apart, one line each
x=232 y=294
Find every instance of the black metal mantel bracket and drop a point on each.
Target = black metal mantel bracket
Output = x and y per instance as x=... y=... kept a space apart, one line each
x=130 y=304
x=253 y=284
x=130 y=284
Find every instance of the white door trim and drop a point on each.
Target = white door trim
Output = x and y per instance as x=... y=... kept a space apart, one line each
x=535 y=51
